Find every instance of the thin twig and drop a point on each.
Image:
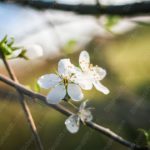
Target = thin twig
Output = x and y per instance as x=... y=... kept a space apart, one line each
x=24 y=105
x=107 y=132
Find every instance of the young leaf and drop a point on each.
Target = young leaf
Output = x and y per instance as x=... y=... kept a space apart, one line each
x=4 y=40
x=10 y=51
x=5 y=49
x=23 y=54
x=37 y=87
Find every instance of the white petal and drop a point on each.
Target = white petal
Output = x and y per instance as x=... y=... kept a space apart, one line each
x=49 y=80
x=84 y=60
x=86 y=115
x=74 y=91
x=84 y=81
x=100 y=87
x=100 y=72
x=86 y=85
x=56 y=94
x=72 y=124
x=65 y=67
x=83 y=105
x=77 y=70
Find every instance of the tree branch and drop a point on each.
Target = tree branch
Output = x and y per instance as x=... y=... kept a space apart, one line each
x=24 y=105
x=107 y=132
x=139 y=8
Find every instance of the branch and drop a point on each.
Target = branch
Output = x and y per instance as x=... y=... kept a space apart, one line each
x=107 y=132
x=23 y=104
x=139 y=8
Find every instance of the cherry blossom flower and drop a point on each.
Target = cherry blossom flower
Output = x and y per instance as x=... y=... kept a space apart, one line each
x=63 y=84
x=73 y=122
x=92 y=75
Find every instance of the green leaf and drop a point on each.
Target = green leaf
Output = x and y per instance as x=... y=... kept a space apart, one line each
x=15 y=48
x=23 y=54
x=5 y=49
x=37 y=87
x=4 y=40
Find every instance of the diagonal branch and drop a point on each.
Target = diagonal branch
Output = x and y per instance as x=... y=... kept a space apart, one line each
x=138 y=8
x=107 y=132
x=23 y=104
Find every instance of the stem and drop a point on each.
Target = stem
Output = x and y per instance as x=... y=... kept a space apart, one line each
x=107 y=132
x=24 y=105
x=74 y=106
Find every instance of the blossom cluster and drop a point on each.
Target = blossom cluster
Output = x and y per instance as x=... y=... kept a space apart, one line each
x=68 y=83
x=69 y=80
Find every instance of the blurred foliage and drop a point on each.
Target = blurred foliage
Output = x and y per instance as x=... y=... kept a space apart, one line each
x=141 y=23
x=70 y=46
x=111 y=21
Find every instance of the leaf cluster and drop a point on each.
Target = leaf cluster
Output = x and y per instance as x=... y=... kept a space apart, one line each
x=10 y=51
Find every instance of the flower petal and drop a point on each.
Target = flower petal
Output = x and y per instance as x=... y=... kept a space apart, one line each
x=84 y=81
x=74 y=91
x=49 y=80
x=72 y=124
x=83 y=105
x=101 y=73
x=100 y=87
x=84 y=60
x=85 y=115
x=56 y=94
x=65 y=67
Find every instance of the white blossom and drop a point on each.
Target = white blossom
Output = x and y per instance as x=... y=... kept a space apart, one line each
x=62 y=84
x=73 y=122
x=92 y=75
x=85 y=113
x=70 y=79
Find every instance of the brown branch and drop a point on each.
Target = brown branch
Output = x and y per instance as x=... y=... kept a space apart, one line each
x=139 y=8
x=107 y=132
x=23 y=104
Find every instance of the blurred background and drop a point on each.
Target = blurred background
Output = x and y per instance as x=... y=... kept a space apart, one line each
x=120 y=44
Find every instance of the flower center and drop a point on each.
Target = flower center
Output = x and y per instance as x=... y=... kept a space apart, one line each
x=65 y=81
x=91 y=66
